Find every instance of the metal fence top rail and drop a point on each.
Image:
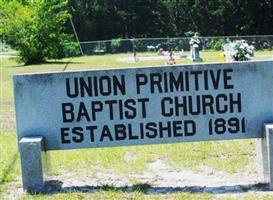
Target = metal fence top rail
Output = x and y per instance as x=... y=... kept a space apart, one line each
x=182 y=38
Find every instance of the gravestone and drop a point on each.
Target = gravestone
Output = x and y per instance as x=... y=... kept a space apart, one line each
x=195 y=53
x=137 y=106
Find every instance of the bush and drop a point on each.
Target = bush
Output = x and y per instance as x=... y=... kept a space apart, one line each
x=37 y=32
x=182 y=44
x=72 y=49
x=115 y=45
x=138 y=45
x=217 y=44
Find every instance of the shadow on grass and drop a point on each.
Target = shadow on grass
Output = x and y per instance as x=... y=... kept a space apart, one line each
x=7 y=171
x=53 y=187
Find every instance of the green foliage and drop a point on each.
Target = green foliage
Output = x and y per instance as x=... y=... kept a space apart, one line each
x=115 y=45
x=35 y=29
x=217 y=44
x=98 y=20
x=182 y=44
x=71 y=49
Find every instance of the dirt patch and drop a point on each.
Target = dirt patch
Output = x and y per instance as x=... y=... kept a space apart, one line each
x=162 y=180
x=159 y=178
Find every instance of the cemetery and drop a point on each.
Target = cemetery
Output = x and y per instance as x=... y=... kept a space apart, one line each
x=96 y=102
x=120 y=104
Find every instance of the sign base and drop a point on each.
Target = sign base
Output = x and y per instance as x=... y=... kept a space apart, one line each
x=265 y=155
x=31 y=150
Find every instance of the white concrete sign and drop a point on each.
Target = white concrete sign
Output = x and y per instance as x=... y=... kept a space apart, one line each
x=86 y=109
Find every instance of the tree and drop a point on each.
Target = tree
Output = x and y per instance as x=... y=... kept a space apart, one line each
x=35 y=28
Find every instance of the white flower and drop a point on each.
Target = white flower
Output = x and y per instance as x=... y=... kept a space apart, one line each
x=241 y=50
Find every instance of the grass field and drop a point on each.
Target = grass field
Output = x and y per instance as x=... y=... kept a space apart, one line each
x=229 y=157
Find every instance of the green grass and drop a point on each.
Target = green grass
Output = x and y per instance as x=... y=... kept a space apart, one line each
x=104 y=195
x=228 y=156
x=9 y=159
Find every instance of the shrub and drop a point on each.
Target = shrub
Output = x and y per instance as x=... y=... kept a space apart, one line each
x=217 y=44
x=138 y=45
x=72 y=49
x=37 y=32
x=115 y=45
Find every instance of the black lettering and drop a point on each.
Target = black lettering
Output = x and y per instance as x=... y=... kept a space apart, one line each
x=106 y=133
x=234 y=125
x=119 y=85
x=110 y=103
x=130 y=131
x=130 y=105
x=64 y=134
x=85 y=87
x=91 y=131
x=207 y=102
x=105 y=86
x=96 y=106
x=143 y=106
x=120 y=103
x=120 y=132
x=155 y=81
x=196 y=78
x=215 y=79
x=82 y=112
x=189 y=127
x=163 y=128
x=141 y=79
x=68 y=112
x=197 y=105
x=176 y=83
x=95 y=83
x=227 y=78
x=187 y=81
x=177 y=126
x=220 y=109
x=78 y=135
x=233 y=102
x=151 y=126
x=180 y=104
x=68 y=88
x=164 y=112
x=206 y=83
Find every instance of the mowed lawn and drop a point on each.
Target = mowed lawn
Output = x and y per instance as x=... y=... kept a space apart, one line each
x=228 y=156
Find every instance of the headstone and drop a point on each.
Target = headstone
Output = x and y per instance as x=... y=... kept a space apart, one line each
x=195 y=53
x=137 y=106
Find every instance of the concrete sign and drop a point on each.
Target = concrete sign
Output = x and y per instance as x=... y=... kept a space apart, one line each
x=86 y=109
x=70 y=110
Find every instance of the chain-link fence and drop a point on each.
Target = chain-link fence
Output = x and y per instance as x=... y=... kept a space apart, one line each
x=169 y=44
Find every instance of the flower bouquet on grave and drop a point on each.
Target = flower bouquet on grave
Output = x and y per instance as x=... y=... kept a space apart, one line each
x=241 y=50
